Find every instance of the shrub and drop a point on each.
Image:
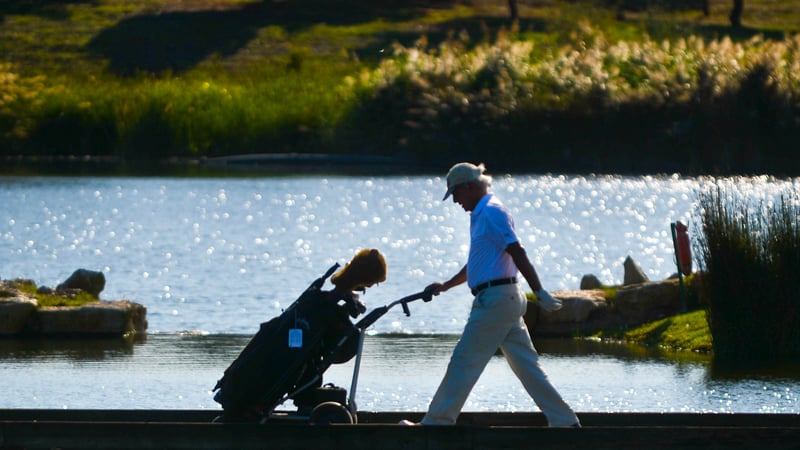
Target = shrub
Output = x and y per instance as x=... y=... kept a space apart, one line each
x=751 y=255
x=629 y=94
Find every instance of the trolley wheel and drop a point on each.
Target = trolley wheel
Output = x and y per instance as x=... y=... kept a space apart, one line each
x=327 y=413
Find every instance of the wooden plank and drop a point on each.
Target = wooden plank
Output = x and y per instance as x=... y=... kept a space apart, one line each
x=139 y=435
x=537 y=419
x=110 y=415
x=193 y=429
x=520 y=419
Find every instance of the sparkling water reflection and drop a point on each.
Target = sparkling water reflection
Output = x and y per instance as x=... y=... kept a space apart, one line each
x=220 y=256
x=399 y=373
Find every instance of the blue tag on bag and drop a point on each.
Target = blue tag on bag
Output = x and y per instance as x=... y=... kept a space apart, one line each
x=296 y=338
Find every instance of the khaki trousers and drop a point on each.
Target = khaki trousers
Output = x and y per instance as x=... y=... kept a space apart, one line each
x=496 y=322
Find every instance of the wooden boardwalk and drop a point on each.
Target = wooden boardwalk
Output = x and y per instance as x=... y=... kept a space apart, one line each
x=193 y=429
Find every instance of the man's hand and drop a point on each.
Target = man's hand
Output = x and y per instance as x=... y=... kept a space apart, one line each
x=434 y=289
x=546 y=301
x=438 y=288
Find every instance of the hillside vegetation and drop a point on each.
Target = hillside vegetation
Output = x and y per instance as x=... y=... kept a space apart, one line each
x=578 y=86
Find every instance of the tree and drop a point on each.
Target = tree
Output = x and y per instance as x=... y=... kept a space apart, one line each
x=736 y=13
x=512 y=8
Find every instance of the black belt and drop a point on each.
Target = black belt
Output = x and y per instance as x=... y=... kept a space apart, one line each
x=497 y=282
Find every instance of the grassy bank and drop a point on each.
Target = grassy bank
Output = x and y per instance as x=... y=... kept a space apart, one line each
x=686 y=332
x=46 y=297
x=572 y=86
x=683 y=332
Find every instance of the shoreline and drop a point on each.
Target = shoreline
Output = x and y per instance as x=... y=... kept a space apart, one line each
x=293 y=163
x=233 y=165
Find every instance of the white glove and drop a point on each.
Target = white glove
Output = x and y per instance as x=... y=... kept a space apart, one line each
x=547 y=302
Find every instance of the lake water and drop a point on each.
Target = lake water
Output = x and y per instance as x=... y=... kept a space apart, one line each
x=213 y=258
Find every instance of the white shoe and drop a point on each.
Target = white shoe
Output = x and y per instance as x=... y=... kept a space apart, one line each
x=408 y=423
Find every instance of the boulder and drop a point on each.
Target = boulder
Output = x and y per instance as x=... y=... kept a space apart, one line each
x=116 y=318
x=14 y=313
x=587 y=311
x=590 y=282
x=649 y=301
x=21 y=315
x=633 y=273
x=89 y=281
x=582 y=312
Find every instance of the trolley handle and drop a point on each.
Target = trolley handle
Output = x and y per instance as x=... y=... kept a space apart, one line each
x=377 y=313
x=425 y=296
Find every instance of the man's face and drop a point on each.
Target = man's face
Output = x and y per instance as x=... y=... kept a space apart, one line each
x=466 y=195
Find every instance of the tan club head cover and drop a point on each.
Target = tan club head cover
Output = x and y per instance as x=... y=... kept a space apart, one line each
x=365 y=269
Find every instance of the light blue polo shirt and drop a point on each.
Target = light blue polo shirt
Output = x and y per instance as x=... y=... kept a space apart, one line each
x=491 y=232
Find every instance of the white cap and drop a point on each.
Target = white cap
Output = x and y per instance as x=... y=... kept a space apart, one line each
x=462 y=173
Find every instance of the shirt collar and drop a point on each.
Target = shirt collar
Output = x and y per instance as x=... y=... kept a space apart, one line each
x=481 y=204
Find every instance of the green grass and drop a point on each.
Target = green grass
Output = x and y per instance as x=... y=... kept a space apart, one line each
x=45 y=300
x=683 y=332
x=88 y=37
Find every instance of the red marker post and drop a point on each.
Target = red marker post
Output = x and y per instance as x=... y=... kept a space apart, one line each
x=683 y=255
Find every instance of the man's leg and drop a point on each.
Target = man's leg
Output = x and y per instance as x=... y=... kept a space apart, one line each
x=524 y=361
x=485 y=330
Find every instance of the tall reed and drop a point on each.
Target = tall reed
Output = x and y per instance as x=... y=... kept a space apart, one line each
x=750 y=256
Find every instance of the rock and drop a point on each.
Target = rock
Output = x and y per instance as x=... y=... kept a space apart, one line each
x=15 y=313
x=583 y=312
x=577 y=305
x=87 y=280
x=46 y=290
x=20 y=315
x=587 y=311
x=589 y=282
x=633 y=273
x=648 y=301
x=117 y=318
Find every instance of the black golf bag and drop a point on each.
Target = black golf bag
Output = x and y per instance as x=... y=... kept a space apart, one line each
x=288 y=355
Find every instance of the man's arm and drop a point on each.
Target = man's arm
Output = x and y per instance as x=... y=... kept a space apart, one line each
x=524 y=265
x=546 y=301
x=459 y=278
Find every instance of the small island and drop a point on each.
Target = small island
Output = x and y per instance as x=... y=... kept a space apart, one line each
x=72 y=309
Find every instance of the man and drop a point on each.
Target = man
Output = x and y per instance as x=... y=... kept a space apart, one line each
x=495 y=321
